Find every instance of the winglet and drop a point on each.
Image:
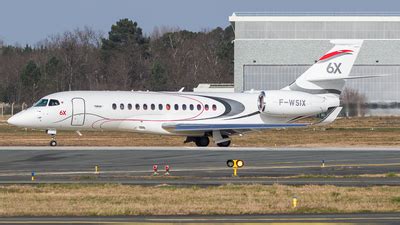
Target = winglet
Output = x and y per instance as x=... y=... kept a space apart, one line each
x=330 y=116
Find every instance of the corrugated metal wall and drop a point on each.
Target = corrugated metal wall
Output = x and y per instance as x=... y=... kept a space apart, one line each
x=271 y=54
x=317 y=30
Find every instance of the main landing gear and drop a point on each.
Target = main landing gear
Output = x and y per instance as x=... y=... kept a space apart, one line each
x=203 y=141
x=225 y=143
x=222 y=140
x=52 y=133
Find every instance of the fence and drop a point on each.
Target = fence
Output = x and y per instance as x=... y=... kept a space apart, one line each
x=11 y=108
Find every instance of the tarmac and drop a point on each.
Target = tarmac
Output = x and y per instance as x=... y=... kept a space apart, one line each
x=380 y=218
x=203 y=166
x=200 y=166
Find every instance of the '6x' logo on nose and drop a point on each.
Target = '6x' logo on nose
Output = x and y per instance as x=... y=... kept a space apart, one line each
x=63 y=113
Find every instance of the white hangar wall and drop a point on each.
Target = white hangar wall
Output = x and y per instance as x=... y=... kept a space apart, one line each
x=271 y=50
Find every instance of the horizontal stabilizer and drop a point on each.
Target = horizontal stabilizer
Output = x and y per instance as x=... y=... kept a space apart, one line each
x=347 y=77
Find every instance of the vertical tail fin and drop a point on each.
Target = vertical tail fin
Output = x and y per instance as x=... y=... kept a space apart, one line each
x=328 y=74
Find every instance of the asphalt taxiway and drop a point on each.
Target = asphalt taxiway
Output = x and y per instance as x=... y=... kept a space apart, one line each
x=201 y=166
x=381 y=218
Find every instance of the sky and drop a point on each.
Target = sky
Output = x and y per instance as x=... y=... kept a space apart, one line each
x=29 y=21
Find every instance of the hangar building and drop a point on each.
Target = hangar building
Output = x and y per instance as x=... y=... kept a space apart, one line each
x=273 y=49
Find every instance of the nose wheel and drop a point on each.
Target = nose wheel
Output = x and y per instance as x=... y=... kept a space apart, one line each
x=53 y=143
x=52 y=133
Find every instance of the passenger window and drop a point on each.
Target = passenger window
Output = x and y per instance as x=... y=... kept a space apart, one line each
x=168 y=106
x=191 y=107
x=114 y=106
x=153 y=107
x=160 y=106
x=130 y=106
x=176 y=106
x=198 y=107
x=41 y=103
x=54 y=102
x=184 y=106
x=206 y=107
x=145 y=106
x=137 y=106
x=121 y=106
x=214 y=107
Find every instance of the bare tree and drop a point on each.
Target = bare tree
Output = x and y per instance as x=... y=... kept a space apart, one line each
x=84 y=59
x=353 y=102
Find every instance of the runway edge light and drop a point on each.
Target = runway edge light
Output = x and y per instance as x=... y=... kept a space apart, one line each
x=294 y=202
x=96 y=169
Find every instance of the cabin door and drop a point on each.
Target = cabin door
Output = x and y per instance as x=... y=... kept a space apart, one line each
x=78 y=112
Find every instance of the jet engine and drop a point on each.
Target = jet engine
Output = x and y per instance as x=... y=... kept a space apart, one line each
x=293 y=103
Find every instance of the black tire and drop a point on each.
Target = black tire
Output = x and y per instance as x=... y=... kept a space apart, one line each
x=53 y=143
x=202 y=141
x=224 y=144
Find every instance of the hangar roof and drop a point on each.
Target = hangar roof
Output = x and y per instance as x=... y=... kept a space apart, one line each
x=314 y=16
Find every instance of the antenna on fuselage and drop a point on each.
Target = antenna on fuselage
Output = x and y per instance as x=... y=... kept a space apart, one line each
x=181 y=90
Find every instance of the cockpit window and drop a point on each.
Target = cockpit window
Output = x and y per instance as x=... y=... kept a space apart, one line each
x=41 y=103
x=53 y=102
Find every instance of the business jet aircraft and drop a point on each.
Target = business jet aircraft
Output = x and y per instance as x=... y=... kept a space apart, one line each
x=199 y=116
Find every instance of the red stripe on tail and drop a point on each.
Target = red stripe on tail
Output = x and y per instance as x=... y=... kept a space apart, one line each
x=335 y=53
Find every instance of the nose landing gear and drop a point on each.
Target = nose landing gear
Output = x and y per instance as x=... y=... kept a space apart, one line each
x=53 y=143
x=52 y=133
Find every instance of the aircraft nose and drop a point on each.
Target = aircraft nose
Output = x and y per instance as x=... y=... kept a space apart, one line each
x=16 y=120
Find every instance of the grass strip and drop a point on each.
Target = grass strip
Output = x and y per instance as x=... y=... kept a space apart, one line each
x=118 y=200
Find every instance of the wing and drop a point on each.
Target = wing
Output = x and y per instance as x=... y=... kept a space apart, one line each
x=238 y=128
x=210 y=127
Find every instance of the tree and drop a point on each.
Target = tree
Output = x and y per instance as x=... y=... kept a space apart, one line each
x=126 y=59
x=124 y=33
x=51 y=71
x=78 y=53
x=158 y=77
x=125 y=56
x=353 y=102
x=30 y=78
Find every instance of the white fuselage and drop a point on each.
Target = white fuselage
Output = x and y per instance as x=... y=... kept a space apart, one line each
x=149 y=112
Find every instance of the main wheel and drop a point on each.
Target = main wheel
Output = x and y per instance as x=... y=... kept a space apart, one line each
x=53 y=143
x=202 y=141
x=224 y=144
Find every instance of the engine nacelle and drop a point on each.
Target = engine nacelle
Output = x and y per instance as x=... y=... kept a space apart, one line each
x=293 y=103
